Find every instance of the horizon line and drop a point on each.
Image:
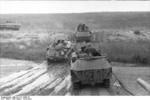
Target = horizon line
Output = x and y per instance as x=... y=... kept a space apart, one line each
x=76 y=13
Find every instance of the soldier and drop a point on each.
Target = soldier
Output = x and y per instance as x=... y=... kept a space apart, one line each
x=59 y=46
x=74 y=56
x=91 y=51
x=86 y=29
x=83 y=27
x=82 y=52
x=68 y=44
x=79 y=28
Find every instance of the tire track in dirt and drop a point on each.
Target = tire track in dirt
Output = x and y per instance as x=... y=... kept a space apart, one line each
x=53 y=79
x=17 y=80
x=14 y=76
x=12 y=85
x=61 y=71
x=122 y=90
x=23 y=83
x=65 y=87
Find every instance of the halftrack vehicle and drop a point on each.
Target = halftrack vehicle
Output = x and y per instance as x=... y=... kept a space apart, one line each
x=83 y=34
x=54 y=55
x=8 y=25
x=57 y=50
x=91 y=70
x=88 y=66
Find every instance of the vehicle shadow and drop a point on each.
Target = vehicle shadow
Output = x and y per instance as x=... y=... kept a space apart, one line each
x=92 y=90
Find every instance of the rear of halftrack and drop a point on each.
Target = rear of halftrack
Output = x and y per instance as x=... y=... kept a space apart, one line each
x=90 y=69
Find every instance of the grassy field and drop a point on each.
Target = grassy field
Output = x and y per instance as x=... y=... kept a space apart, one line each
x=115 y=33
x=128 y=51
x=68 y=22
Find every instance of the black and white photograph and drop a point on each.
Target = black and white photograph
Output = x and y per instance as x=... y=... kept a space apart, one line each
x=74 y=48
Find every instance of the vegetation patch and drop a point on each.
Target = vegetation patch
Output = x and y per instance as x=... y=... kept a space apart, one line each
x=128 y=51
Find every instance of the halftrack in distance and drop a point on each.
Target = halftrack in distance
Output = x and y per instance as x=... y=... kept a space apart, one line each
x=83 y=34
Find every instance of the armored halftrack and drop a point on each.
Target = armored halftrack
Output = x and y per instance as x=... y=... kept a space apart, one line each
x=83 y=34
x=87 y=69
x=91 y=70
x=54 y=55
x=8 y=25
x=56 y=52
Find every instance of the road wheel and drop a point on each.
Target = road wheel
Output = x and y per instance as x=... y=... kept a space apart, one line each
x=76 y=85
x=48 y=61
x=107 y=83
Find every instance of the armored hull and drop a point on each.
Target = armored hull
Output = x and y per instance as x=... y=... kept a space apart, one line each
x=55 y=56
x=83 y=36
x=55 y=59
x=57 y=53
x=91 y=71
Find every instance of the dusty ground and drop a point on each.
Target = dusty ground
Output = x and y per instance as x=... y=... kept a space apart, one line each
x=56 y=81
x=9 y=66
x=129 y=75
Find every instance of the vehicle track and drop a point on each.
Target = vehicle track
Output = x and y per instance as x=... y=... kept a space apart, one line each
x=62 y=70
x=85 y=90
x=91 y=91
x=54 y=79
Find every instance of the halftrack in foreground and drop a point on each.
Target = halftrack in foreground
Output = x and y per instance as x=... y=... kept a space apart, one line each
x=88 y=66
x=91 y=70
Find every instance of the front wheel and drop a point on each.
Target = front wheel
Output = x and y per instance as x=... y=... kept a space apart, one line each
x=48 y=61
x=76 y=85
x=107 y=83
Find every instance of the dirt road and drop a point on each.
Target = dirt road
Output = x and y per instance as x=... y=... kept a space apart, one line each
x=52 y=80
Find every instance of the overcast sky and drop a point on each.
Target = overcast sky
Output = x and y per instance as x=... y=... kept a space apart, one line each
x=7 y=7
